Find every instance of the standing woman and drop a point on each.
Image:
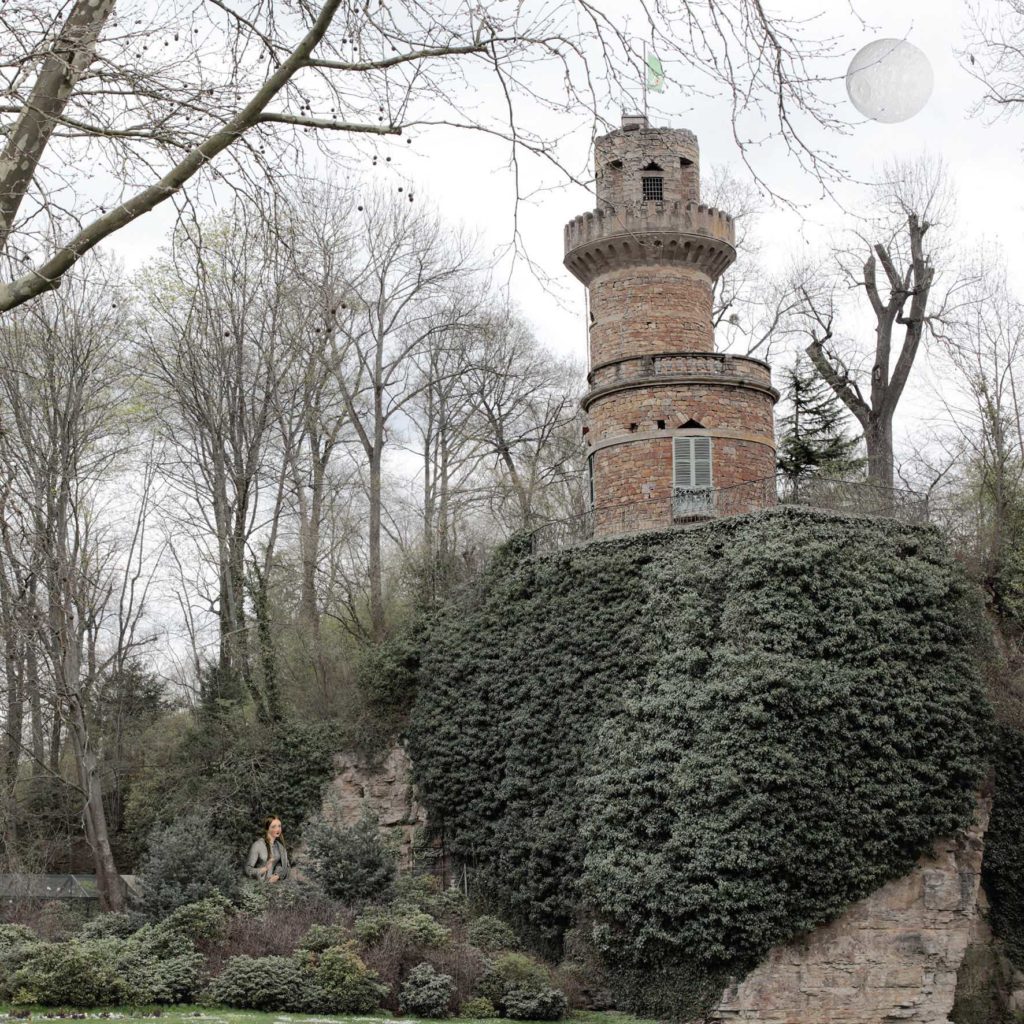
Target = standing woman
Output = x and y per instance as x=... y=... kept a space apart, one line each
x=268 y=858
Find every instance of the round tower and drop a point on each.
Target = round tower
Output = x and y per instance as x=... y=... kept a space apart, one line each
x=676 y=431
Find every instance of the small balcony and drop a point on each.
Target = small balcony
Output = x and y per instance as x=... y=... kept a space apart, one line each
x=690 y=505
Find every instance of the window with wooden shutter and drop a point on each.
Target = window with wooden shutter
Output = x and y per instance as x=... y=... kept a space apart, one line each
x=691 y=462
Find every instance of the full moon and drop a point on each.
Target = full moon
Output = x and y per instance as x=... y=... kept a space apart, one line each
x=889 y=80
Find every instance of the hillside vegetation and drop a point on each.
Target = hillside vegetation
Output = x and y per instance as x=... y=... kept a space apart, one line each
x=682 y=748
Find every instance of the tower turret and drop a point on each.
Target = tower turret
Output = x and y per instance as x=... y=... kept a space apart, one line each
x=673 y=426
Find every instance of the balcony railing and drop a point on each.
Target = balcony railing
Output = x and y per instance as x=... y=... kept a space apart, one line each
x=693 y=505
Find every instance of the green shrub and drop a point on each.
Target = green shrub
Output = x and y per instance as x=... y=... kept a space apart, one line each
x=16 y=942
x=263 y=983
x=513 y=970
x=109 y=926
x=343 y=983
x=92 y=972
x=349 y=863
x=323 y=936
x=426 y=992
x=478 y=1008
x=202 y=922
x=491 y=934
x=153 y=976
x=72 y=973
x=186 y=863
x=653 y=730
x=533 y=1004
x=404 y=922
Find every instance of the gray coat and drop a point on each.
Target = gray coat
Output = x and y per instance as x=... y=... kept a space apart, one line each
x=258 y=856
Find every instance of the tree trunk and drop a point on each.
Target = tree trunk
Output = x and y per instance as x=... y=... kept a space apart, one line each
x=878 y=439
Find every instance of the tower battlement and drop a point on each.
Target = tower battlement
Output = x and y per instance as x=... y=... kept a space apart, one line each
x=653 y=232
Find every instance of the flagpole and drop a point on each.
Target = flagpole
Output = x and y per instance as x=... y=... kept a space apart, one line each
x=643 y=80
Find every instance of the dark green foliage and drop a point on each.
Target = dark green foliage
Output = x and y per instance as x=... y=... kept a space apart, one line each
x=342 y=983
x=349 y=863
x=813 y=436
x=513 y=971
x=1003 y=866
x=478 y=1008
x=186 y=862
x=427 y=992
x=202 y=923
x=323 y=936
x=491 y=934
x=109 y=926
x=96 y=972
x=409 y=924
x=75 y=973
x=529 y=1004
x=239 y=772
x=262 y=983
x=708 y=741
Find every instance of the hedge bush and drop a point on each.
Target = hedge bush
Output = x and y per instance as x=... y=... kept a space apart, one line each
x=401 y=921
x=708 y=740
x=531 y=1004
x=94 y=972
x=323 y=936
x=427 y=992
x=478 y=1008
x=186 y=862
x=350 y=863
x=343 y=983
x=491 y=934
x=263 y=983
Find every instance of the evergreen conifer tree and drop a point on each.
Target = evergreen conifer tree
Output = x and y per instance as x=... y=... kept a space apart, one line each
x=814 y=439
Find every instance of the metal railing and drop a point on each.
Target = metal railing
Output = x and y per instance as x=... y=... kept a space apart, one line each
x=694 y=505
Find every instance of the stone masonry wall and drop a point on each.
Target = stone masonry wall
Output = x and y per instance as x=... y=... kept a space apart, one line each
x=385 y=789
x=714 y=406
x=634 y=481
x=892 y=957
x=643 y=311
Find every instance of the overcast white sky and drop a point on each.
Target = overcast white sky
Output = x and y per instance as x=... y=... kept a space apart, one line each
x=469 y=179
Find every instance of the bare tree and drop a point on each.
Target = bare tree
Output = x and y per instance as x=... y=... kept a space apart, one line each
x=217 y=349
x=915 y=197
x=994 y=54
x=984 y=350
x=399 y=291
x=110 y=113
x=71 y=601
x=526 y=418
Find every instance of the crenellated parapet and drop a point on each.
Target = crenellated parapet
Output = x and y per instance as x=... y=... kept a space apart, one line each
x=650 y=233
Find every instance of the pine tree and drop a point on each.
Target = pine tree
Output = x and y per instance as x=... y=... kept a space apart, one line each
x=814 y=440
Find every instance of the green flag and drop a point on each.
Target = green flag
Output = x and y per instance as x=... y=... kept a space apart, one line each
x=655 y=74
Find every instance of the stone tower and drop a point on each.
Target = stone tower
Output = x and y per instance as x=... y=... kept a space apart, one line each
x=676 y=431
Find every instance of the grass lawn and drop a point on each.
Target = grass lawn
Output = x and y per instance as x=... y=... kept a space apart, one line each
x=205 y=1015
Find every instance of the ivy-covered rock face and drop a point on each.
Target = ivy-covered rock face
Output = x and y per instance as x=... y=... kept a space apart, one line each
x=707 y=741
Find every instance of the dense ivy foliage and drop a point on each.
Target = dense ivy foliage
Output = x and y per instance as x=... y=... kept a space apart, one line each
x=1003 y=866
x=708 y=740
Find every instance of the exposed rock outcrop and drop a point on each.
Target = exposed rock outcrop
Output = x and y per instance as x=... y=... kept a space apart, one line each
x=384 y=788
x=892 y=957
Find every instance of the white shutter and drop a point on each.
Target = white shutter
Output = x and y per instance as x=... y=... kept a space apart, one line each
x=691 y=462
x=682 y=462
x=701 y=461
